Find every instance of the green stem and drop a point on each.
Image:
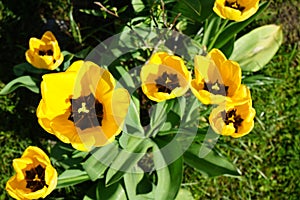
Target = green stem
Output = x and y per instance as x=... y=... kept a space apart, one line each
x=217 y=35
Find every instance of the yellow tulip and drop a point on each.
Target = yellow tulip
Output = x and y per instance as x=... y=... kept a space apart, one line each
x=232 y=120
x=35 y=176
x=237 y=10
x=44 y=53
x=218 y=80
x=81 y=106
x=164 y=77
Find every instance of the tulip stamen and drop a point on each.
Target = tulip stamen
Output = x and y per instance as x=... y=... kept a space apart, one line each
x=232 y=117
x=216 y=88
x=35 y=178
x=167 y=82
x=83 y=112
x=235 y=5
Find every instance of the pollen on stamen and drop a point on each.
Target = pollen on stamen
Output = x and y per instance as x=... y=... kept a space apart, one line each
x=83 y=108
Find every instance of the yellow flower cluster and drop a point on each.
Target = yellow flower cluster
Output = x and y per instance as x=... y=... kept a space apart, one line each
x=217 y=81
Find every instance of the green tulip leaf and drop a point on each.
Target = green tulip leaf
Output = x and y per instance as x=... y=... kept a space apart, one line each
x=100 y=160
x=99 y=191
x=169 y=170
x=255 y=49
x=137 y=5
x=126 y=159
x=22 y=68
x=194 y=10
x=72 y=177
x=211 y=165
x=23 y=81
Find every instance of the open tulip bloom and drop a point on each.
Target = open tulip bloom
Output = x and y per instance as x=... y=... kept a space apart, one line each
x=35 y=177
x=232 y=120
x=218 y=80
x=44 y=53
x=164 y=77
x=237 y=10
x=78 y=106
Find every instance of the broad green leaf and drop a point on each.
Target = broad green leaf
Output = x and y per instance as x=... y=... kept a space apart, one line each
x=71 y=177
x=22 y=68
x=100 y=160
x=169 y=174
x=65 y=156
x=235 y=27
x=194 y=10
x=99 y=191
x=132 y=121
x=137 y=5
x=131 y=180
x=211 y=165
x=112 y=192
x=255 y=49
x=126 y=159
x=23 y=81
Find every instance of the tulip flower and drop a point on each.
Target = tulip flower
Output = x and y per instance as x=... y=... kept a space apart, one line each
x=164 y=77
x=81 y=106
x=218 y=80
x=35 y=176
x=237 y=10
x=232 y=120
x=44 y=53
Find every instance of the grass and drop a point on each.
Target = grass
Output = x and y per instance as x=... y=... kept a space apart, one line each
x=268 y=157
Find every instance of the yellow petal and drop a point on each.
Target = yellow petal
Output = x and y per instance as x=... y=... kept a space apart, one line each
x=57 y=90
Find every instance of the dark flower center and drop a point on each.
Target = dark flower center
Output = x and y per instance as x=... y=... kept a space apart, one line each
x=234 y=5
x=167 y=82
x=216 y=88
x=232 y=117
x=83 y=112
x=35 y=178
x=47 y=53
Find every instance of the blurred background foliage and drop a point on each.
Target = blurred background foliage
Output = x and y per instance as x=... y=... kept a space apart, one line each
x=268 y=157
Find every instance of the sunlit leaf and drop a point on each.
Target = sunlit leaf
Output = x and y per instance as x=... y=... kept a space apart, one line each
x=137 y=5
x=169 y=169
x=255 y=49
x=23 y=81
x=211 y=165
x=71 y=177
x=100 y=160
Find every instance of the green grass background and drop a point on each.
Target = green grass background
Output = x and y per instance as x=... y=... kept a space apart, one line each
x=268 y=158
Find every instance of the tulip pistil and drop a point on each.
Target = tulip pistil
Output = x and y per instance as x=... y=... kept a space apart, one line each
x=216 y=88
x=234 y=5
x=35 y=178
x=86 y=112
x=232 y=117
x=167 y=82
